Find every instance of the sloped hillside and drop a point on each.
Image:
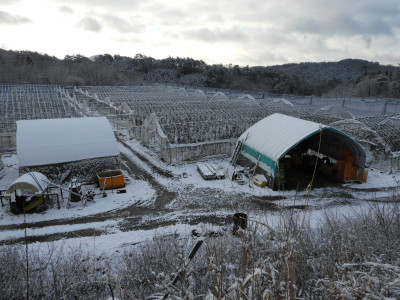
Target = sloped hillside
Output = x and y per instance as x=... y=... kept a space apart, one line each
x=349 y=77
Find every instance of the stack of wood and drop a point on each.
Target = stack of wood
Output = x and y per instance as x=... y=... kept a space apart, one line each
x=210 y=172
x=362 y=175
x=346 y=170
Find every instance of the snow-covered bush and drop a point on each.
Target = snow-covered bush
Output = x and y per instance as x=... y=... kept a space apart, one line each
x=346 y=257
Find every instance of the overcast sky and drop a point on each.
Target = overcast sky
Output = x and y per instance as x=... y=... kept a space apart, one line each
x=243 y=32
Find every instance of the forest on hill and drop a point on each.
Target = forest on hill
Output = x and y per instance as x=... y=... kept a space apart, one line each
x=349 y=77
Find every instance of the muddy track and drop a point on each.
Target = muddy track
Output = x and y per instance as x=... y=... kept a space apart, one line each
x=55 y=237
x=204 y=205
x=153 y=167
x=163 y=197
x=127 y=226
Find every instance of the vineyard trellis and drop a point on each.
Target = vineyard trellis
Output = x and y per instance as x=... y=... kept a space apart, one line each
x=30 y=101
x=187 y=116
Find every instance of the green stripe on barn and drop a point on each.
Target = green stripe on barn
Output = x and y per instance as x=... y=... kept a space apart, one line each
x=264 y=159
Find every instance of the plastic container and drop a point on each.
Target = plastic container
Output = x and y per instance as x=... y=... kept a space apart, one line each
x=111 y=179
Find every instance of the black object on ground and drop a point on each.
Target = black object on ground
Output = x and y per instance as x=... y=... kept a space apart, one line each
x=239 y=220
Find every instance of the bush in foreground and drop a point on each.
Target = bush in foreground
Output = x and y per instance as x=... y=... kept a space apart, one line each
x=345 y=257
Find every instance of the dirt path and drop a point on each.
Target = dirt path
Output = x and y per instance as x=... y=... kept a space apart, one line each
x=201 y=205
x=129 y=225
x=153 y=167
x=163 y=197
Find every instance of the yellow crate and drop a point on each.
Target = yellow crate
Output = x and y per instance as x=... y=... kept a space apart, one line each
x=111 y=179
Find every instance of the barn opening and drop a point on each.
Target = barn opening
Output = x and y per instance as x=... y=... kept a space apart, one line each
x=288 y=150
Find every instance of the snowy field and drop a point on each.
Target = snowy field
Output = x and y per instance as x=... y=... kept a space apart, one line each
x=155 y=205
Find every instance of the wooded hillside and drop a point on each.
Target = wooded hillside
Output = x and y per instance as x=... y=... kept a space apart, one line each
x=349 y=77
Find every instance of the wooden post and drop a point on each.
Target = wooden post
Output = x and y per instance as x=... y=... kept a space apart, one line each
x=1 y=197
x=112 y=187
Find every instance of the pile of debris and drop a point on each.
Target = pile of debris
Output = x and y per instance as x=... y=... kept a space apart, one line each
x=210 y=171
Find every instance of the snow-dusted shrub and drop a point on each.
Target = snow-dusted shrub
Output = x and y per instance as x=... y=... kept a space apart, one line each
x=345 y=258
x=359 y=255
x=12 y=269
x=150 y=267
x=53 y=273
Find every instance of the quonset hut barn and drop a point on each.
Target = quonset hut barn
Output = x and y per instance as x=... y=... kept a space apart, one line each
x=285 y=149
x=68 y=148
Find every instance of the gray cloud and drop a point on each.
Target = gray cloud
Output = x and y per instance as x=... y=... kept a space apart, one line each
x=258 y=32
x=350 y=26
x=6 y=18
x=123 y=25
x=266 y=58
x=342 y=26
x=217 y=35
x=216 y=18
x=118 y=23
x=6 y=2
x=386 y=58
x=379 y=27
x=66 y=9
x=270 y=36
x=171 y=16
x=113 y=5
x=90 y=24
x=367 y=40
x=382 y=8
x=171 y=13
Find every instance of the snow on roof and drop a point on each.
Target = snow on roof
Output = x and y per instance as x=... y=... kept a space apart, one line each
x=219 y=96
x=34 y=181
x=199 y=91
x=281 y=101
x=53 y=141
x=276 y=133
x=246 y=97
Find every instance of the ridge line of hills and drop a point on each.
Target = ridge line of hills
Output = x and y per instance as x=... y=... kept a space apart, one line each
x=345 y=78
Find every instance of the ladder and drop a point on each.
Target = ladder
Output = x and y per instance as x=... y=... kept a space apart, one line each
x=238 y=148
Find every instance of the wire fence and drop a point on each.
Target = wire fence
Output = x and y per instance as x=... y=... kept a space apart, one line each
x=188 y=115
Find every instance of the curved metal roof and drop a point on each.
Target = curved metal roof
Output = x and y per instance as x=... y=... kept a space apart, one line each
x=275 y=135
x=53 y=141
x=33 y=181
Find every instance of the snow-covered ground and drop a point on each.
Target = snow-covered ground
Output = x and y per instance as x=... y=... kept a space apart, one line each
x=110 y=223
x=137 y=192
